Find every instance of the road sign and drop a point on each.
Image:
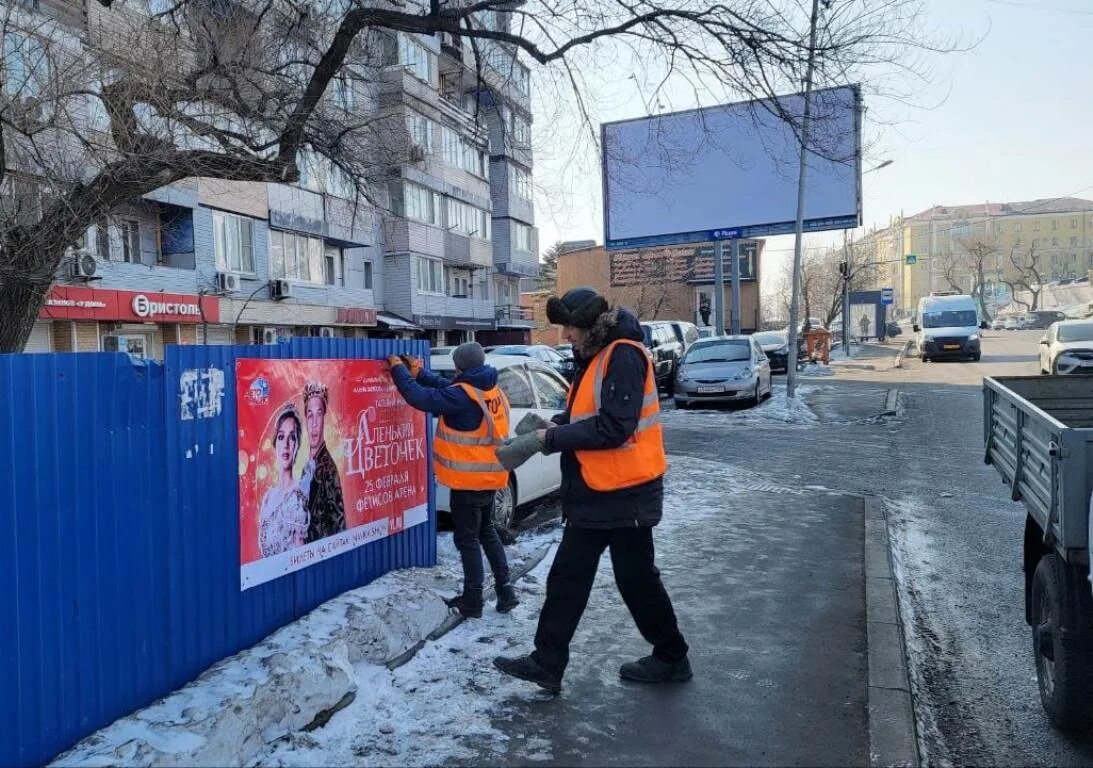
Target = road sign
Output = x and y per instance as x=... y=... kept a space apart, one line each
x=886 y=296
x=910 y=259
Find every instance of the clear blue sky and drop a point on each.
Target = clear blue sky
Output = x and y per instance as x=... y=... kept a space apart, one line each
x=1011 y=119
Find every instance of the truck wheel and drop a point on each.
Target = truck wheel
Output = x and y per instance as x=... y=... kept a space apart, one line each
x=1061 y=645
x=925 y=359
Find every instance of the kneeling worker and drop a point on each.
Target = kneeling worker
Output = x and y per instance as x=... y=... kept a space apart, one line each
x=474 y=420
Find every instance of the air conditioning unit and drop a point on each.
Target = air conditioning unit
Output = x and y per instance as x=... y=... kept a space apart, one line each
x=280 y=289
x=226 y=282
x=326 y=333
x=83 y=266
x=269 y=335
x=417 y=153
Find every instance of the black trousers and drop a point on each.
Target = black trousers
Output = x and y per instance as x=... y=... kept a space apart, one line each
x=472 y=518
x=570 y=583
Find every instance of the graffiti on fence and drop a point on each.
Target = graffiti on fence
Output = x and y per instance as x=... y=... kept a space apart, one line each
x=330 y=458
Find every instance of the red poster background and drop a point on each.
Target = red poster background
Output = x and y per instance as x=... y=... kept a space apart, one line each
x=377 y=441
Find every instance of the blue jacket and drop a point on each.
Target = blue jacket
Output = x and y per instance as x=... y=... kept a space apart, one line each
x=438 y=396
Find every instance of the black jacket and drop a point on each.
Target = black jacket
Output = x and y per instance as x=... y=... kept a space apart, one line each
x=620 y=410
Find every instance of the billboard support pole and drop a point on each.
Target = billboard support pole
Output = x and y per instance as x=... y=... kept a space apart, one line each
x=719 y=287
x=735 y=250
x=795 y=298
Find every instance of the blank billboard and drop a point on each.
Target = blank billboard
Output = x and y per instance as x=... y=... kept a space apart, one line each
x=731 y=171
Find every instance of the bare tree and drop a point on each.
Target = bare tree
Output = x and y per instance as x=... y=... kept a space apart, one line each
x=261 y=90
x=1028 y=275
x=977 y=251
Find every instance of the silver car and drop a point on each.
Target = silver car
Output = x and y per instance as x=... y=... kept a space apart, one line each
x=723 y=369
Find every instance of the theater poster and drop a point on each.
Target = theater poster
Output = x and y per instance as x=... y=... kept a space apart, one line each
x=330 y=458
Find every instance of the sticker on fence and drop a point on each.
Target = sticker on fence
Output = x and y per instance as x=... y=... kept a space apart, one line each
x=330 y=458
x=201 y=393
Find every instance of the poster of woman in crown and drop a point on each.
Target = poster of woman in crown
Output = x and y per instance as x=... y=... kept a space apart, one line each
x=330 y=459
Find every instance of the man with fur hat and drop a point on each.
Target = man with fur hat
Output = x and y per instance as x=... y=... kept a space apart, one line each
x=474 y=420
x=613 y=463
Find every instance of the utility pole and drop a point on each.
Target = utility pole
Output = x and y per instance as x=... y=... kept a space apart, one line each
x=735 y=310
x=719 y=287
x=846 y=298
x=795 y=296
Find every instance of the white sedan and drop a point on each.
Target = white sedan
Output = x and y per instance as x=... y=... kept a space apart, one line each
x=530 y=386
x=1067 y=348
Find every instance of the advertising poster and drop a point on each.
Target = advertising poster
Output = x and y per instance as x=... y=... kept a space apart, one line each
x=330 y=458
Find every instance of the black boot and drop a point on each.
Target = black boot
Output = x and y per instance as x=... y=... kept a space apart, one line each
x=652 y=670
x=506 y=598
x=469 y=604
x=527 y=668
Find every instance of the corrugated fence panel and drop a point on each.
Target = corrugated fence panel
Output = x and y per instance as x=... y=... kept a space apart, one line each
x=119 y=540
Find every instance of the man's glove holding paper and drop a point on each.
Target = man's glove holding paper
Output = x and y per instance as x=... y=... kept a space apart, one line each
x=516 y=450
x=531 y=422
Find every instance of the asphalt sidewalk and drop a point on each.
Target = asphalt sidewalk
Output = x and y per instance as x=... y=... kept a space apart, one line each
x=769 y=587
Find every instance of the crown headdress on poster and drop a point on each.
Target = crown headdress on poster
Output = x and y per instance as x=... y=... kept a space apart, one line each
x=316 y=389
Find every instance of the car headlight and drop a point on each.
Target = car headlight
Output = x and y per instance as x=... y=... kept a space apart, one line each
x=682 y=375
x=744 y=374
x=974 y=337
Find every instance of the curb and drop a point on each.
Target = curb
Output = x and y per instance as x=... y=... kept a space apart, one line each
x=892 y=737
x=903 y=351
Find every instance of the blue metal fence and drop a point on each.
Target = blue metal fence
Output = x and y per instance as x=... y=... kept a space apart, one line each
x=119 y=544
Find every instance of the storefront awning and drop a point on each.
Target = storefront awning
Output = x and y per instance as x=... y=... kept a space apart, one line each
x=396 y=323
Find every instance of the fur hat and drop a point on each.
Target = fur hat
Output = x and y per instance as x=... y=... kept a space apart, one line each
x=469 y=356
x=579 y=307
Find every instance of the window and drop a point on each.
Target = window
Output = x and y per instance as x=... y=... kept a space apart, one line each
x=1055 y=242
x=430 y=276
x=233 y=243
x=421 y=204
x=521 y=131
x=1073 y=223
x=130 y=240
x=1035 y=242
x=26 y=66
x=550 y=390
x=97 y=240
x=416 y=58
x=520 y=183
x=294 y=256
x=521 y=79
x=516 y=388
x=334 y=266
x=1054 y=224
x=367 y=275
x=459 y=284
x=1036 y=226
x=420 y=129
x=503 y=291
x=1017 y=227
x=521 y=237
x=345 y=93
x=467 y=220
x=1073 y=242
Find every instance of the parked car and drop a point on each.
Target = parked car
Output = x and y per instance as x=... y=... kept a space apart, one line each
x=542 y=353
x=1043 y=318
x=892 y=329
x=530 y=386
x=706 y=332
x=776 y=347
x=565 y=350
x=998 y=323
x=723 y=369
x=666 y=350
x=685 y=332
x=1067 y=348
x=1014 y=323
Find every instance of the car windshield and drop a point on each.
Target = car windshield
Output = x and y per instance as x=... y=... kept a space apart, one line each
x=951 y=318
x=766 y=339
x=648 y=334
x=1083 y=332
x=719 y=352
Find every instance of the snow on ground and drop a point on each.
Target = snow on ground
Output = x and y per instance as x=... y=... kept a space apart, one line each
x=446 y=704
x=778 y=408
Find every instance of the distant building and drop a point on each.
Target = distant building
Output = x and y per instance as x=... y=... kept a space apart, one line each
x=1059 y=230
x=664 y=282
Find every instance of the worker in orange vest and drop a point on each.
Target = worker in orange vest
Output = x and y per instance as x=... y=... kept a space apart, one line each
x=613 y=464
x=474 y=420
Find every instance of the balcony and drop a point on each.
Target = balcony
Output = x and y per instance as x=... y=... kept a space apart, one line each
x=510 y=264
x=511 y=316
x=467 y=251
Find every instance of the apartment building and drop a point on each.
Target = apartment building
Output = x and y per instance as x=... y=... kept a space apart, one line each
x=914 y=253
x=438 y=256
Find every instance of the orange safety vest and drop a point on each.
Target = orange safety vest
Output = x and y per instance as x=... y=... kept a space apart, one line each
x=467 y=461
x=641 y=458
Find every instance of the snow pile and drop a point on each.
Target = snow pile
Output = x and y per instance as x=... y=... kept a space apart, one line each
x=278 y=687
x=820 y=369
x=778 y=408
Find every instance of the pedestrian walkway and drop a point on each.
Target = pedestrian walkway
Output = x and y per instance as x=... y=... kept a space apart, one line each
x=768 y=583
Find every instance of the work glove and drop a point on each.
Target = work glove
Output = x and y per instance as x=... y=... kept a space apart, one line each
x=394 y=360
x=414 y=364
x=516 y=450
x=530 y=423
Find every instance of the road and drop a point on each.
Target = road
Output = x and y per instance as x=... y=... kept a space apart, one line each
x=957 y=542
